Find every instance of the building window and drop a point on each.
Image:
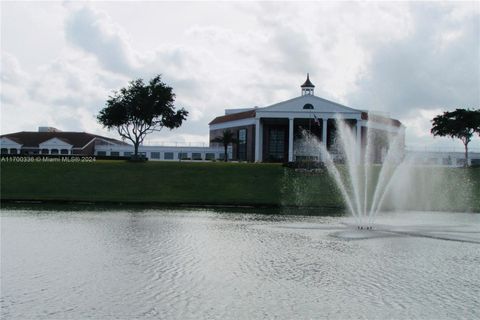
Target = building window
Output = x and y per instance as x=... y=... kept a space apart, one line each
x=64 y=151
x=45 y=151
x=182 y=156
x=196 y=156
x=13 y=151
x=54 y=151
x=276 y=145
x=127 y=154
x=4 y=151
x=242 y=145
x=168 y=156
x=101 y=153
x=221 y=156
x=114 y=153
x=210 y=156
x=308 y=106
x=155 y=155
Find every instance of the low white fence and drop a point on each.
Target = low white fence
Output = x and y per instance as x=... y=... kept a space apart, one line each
x=166 y=153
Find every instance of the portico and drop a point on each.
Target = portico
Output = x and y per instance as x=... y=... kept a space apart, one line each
x=276 y=138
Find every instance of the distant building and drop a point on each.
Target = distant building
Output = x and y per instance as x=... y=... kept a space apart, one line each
x=448 y=158
x=48 y=129
x=51 y=141
x=166 y=153
x=272 y=133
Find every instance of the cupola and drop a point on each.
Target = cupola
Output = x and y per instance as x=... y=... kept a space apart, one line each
x=307 y=87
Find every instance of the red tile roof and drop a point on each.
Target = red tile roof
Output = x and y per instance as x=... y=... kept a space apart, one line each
x=33 y=139
x=234 y=116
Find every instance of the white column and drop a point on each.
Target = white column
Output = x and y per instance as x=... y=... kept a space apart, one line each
x=324 y=137
x=290 y=139
x=359 y=141
x=324 y=132
x=258 y=139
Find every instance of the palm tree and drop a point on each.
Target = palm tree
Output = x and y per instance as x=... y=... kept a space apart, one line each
x=227 y=137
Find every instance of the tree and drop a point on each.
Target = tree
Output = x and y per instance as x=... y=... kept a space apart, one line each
x=461 y=124
x=226 y=139
x=141 y=109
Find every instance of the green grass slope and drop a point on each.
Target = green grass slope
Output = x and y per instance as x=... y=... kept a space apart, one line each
x=218 y=183
x=161 y=182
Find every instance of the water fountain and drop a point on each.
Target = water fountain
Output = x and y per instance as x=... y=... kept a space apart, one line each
x=380 y=177
x=366 y=176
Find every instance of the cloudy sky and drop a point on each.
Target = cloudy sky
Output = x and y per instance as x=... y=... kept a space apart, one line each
x=411 y=60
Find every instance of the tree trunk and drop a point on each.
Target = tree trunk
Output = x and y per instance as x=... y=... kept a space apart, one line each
x=466 y=154
x=225 y=155
x=136 y=145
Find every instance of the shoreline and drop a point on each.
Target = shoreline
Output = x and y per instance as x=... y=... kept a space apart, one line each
x=133 y=203
x=79 y=205
x=14 y=204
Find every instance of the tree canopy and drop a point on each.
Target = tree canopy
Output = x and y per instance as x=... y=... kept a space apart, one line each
x=227 y=138
x=461 y=124
x=141 y=109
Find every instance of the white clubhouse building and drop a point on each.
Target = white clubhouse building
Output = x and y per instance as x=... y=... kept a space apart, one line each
x=271 y=133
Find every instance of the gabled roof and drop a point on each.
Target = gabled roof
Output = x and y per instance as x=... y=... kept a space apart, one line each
x=53 y=141
x=234 y=116
x=12 y=139
x=319 y=105
x=33 y=139
x=297 y=105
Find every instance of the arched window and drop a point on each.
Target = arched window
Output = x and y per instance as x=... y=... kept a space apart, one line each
x=54 y=151
x=308 y=106
x=45 y=151
x=13 y=151
x=64 y=151
x=4 y=151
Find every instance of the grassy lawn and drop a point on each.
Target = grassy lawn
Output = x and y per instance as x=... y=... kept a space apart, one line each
x=162 y=182
x=207 y=184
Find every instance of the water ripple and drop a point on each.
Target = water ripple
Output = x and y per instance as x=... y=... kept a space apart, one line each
x=184 y=265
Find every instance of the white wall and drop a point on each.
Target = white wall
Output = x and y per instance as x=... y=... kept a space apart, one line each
x=163 y=150
x=10 y=144
x=441 y=158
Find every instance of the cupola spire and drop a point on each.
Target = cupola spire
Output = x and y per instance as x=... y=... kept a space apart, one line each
x=307 y=87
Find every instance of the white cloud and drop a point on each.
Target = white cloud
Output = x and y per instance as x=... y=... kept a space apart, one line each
x=402 y=58
x=435 y=66
x=167 y=138
x=95 y=33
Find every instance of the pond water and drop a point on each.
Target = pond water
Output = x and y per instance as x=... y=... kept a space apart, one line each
x=194 y=264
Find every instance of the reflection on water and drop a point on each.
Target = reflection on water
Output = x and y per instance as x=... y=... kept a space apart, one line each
x=202 y=264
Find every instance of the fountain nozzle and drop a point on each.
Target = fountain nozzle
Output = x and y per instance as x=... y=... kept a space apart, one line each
x=364 y=227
